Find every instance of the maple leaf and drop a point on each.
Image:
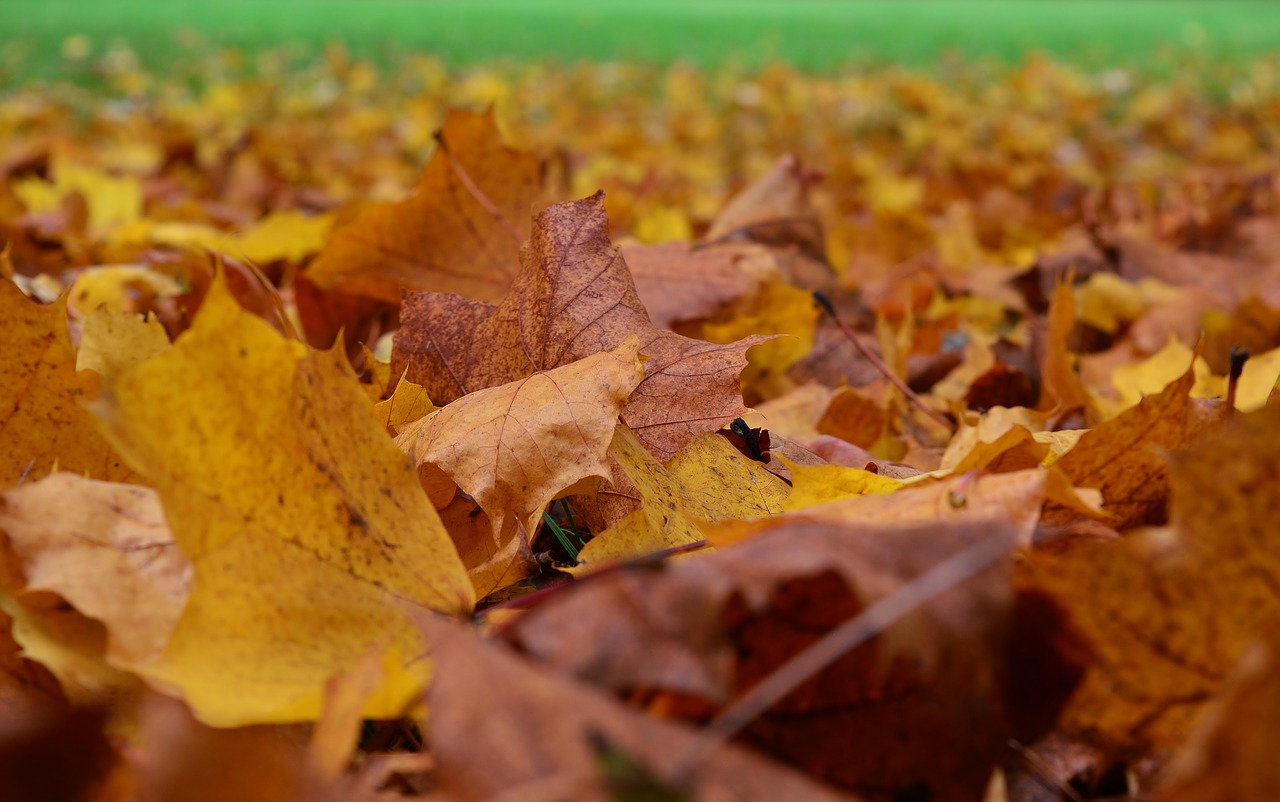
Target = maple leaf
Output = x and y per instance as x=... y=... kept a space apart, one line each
x=42 y=421
x=444 y=237
x=515 y=447
x=306 y=527
x=573 y=298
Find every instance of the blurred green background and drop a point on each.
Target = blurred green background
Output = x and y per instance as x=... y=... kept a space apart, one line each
x=47 y=39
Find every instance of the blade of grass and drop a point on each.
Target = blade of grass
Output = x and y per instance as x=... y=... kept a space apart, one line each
x=560 y=536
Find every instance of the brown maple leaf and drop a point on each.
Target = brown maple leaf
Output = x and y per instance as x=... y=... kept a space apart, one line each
x=461 y=231
x=573 y=298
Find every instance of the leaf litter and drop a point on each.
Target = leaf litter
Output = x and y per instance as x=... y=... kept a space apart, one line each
x=907 y=438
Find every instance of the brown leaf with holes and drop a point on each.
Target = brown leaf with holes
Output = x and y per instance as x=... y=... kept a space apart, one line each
x=446 y=237
x=574 y=298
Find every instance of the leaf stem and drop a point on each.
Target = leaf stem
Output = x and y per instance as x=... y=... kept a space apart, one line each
x=879 y=364
x=855 y=631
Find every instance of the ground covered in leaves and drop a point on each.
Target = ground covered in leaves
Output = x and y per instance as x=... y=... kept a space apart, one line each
x=617 y=433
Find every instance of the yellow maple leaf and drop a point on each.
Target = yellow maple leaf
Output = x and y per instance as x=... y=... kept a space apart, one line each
x=705 y=482
x=306 y=527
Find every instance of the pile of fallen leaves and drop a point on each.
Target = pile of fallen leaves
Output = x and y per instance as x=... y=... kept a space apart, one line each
x=873 y=437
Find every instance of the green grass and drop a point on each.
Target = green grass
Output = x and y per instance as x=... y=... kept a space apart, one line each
x=817 y=34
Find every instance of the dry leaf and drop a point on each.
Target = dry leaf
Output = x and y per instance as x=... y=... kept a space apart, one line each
x=443 y=239
x=306 y=527
x=503 y=727
x=42 y=422
x=107 y=550
x=516 y=447
x=574 y=298
x=713 y=626
x=1169 y=611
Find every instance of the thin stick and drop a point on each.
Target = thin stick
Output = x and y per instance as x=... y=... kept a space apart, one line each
x=878 y=363
x=471 y=186
x=835 y=644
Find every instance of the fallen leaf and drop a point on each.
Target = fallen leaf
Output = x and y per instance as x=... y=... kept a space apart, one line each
x=677 y=283
x=775 y=309
x=776 y=211
x=793 y=414
x=503 y=726
x=708 y=481
x=120 y=288
x=443 y=239
x=1170 y=611
x=516 y=447
x=1230 y=756
x=1062 y=390
x=301 y=570
x=106 y=549
x=711 y=627
x=818 y=484
x=42 y=422
x=114 y=341
x=574 y=298
x=408 y=403
x=1125 y=456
